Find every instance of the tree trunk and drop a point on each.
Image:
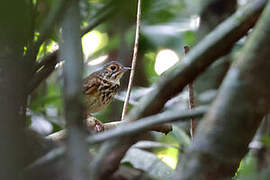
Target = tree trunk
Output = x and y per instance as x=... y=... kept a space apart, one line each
x=14 y=35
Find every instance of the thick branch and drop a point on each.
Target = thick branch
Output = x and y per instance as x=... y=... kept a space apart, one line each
x=200 y=57
x=223 y=136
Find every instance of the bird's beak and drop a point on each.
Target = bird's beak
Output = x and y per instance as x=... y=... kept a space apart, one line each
x=126 y=68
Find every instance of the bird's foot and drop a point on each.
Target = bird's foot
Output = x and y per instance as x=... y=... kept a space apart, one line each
x=99 y=127
x=94 y=125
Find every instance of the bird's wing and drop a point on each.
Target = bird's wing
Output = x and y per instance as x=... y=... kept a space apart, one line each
x=90 y=84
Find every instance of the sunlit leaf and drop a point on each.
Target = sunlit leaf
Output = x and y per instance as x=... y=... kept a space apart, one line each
x=148 y=162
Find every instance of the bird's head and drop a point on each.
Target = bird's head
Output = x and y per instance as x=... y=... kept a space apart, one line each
x=113 y=71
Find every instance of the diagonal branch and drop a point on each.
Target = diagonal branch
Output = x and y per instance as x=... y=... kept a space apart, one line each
x=121 y=128
x=116 y=130
x=128 y=129
x=91 y=124
x=222 y=39
x=222 y=138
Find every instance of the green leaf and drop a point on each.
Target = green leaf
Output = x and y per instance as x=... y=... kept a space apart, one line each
x=181 y=136
x=148 y=162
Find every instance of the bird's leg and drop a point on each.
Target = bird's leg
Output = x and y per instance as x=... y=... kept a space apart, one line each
x=93 y=124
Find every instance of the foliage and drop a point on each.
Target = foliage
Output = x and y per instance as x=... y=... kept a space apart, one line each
x=165 y=25
x=107 y=39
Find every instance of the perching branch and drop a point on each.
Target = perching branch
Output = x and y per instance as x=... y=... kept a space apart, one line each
x=91 y=124
x=114 y=129
x=222 y=39
x=122 y=128
x=134 y=60
x=127 y=129
x=235 y=28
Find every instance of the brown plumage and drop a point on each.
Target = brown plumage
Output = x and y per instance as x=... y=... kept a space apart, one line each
x=101 y=86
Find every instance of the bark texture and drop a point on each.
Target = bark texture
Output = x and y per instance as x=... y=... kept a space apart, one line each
x=212 y=14
x=223 y=136
x=14 y=35
x=200 y=57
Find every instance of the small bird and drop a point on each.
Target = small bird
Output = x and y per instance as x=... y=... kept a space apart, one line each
x=101 y=86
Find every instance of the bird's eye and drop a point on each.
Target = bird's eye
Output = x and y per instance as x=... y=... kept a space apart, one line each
x=113 y=68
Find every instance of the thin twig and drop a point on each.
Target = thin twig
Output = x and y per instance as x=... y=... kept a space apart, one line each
x=235 y=29
x=134 y=59
x=222 y=39
x=193 y=123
